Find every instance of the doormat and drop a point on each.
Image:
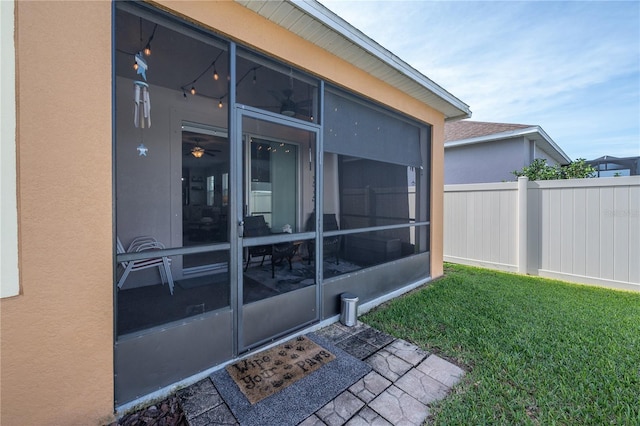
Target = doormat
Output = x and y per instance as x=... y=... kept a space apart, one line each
x=296 y=402
x=268 y=372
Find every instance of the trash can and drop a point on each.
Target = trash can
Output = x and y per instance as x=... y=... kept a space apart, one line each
x=349 y=309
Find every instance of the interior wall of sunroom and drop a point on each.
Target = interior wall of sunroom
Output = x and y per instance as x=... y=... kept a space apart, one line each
x=145 y=181
x=57 y=336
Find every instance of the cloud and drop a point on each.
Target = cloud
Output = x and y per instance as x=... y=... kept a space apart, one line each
x=565 y=63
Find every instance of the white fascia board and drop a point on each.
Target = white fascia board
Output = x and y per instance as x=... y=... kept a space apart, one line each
x=325 y=16
x=534 y=133
x=554 y=147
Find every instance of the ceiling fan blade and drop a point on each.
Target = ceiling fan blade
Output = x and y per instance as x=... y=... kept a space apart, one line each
x=304 y=112
x=277 y=95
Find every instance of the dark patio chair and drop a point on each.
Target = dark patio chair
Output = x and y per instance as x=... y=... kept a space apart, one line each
x=330 y=245
x=256 y=226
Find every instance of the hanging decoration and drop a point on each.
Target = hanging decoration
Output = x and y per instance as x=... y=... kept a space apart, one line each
x=141 y=65
x=142 y=150
x=141 y=99
x=142 y=105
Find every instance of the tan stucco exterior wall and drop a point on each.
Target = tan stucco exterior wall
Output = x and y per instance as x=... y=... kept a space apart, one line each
x=56 y=338
x=437 y=200
x=57 y=335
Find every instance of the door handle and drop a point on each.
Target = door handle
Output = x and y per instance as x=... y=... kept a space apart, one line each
x=241 y=228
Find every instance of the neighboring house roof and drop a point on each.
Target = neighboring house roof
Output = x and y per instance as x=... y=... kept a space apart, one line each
x=320 y=26
x=472 y=132
x=461 y=130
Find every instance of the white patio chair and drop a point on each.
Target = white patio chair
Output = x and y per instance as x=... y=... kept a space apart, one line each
x=140 y=244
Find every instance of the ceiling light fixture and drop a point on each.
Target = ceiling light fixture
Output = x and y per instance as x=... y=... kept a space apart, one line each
x=197 y=151
x=147 y=48
x=220 y=103
x=216 y=76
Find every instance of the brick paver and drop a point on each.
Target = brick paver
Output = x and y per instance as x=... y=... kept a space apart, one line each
x=407 y=351
x=388 y=365
x=443 y=371
x=424 y=388
x=370 y=386
x=340 y=410
x=368 y=417
x=399 y=408
x=199 y=398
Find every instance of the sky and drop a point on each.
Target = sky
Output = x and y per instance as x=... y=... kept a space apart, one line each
x=570 y=67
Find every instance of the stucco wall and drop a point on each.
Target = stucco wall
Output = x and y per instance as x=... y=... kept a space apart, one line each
x=57 y=335
x=485 y=162
x=541 y=153
x=437 y=199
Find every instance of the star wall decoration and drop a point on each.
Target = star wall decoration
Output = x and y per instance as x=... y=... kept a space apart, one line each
x=142 y=150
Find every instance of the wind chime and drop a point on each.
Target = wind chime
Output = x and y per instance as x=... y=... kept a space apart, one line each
x=141 y=99
x=141 y=102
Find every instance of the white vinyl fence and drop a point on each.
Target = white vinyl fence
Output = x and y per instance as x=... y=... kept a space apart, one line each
x=580 y=230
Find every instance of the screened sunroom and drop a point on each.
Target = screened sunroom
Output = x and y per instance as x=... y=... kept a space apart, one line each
x=249 y=194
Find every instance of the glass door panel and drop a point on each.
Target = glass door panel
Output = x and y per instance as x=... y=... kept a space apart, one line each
x=277 y=200
x=205 y=174
x=273 y=182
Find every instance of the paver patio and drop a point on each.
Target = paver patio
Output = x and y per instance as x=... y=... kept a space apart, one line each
x=404 y=383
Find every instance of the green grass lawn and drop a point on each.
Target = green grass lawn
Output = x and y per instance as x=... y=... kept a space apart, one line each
x=537 y=351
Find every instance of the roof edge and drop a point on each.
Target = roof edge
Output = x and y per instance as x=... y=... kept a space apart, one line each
x=340 y=25
x=553 y=145
x=450 y=106
x=533 y=130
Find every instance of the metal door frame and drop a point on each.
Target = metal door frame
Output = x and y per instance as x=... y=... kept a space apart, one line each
x=238 y=113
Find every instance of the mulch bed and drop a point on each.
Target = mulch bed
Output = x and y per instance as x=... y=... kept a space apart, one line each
x=164 y=413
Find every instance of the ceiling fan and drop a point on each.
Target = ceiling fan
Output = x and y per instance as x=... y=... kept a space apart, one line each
x=288 y=106
x=196 y=149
